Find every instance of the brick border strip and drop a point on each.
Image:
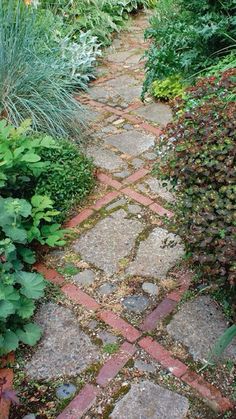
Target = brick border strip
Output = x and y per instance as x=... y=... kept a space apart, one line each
x=110 y=369
x=207 y=391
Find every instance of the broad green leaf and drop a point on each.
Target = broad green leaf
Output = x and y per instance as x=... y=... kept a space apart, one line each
x=17 y=234
x=6 y=308
x=11 y=342
x=32 y=284
x=30 y=334
x=41 y=202
x=31 y=157
x=25 y=307
x=27 y=255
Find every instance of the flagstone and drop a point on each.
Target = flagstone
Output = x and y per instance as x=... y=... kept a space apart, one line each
x=111 y=239
x=156 y=255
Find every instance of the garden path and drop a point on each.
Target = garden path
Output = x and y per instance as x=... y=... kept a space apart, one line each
x=110 y=334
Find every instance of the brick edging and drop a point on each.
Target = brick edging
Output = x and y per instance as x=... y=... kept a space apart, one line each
x=210 y=394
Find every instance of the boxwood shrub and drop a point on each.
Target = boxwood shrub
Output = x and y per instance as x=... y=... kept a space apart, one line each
x=69 y=177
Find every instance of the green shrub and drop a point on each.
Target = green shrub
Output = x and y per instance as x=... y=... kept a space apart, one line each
x=201 y=162
x=69 y=176
x=188 y=37
x=25 y=219
x=34 y=80
x=168 y=88
x=101 y=17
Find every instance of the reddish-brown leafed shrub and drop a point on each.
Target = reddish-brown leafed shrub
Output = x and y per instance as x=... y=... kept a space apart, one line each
x=201 y=154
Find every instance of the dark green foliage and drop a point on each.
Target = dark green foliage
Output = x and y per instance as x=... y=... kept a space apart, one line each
x=101 y=17
x=201 y=161
x=68 y=178
x=188 y=36
x=23 y=222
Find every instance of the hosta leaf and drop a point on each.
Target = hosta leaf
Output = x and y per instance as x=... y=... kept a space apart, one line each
x=32 y=284
x=30 y=334
x=25 y=307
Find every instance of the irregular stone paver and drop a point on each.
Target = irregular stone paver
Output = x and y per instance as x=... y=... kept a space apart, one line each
x=137 y=163
x=123 y=174
x=105 y=159
x=197 y=325
x=119 y=203
x=144 y=366
x=134 y=209
x=157 y=112
x=150 y=288
x=109 y=241
x=107 y=288
x=85 y=278
x=147 y=400
x=136 y=303
x=131 y=142
x=154 y=257
x=119 y=57
x=161 y=188
x=60 y=353
x=65 y=391
x=107 y=337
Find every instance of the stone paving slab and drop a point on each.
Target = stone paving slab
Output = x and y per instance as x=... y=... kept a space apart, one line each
x=131 y=142
x=197 y=325
x=109 y=241
x=156 y=112
x=161 y=189
x=156 y=255
x=147 y=400
x=106 y=159
x=60 y=353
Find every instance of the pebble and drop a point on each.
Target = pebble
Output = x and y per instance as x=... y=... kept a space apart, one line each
x=65 y=391
x=150 y=288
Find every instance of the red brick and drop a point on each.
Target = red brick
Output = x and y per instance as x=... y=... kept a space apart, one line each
x=5 y=404
x=80 y=297
x=113 y=110
x=109 y=181
x=124 y=328
x=105 y=200
x=136 y=176
x=161 y=211
x=134 y=106
x=81 y=403
x=175 y=295
x=162 y=310
x=151 y=128
x=112 y=367
x=6 y=360
x=144 y=200
x=50 y=274
x=131 y=118
x=161 y=355
x=80 y=218
x=207 y=391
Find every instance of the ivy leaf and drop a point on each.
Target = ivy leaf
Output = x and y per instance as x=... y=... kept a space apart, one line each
x=25 y=307
x=32 y=284
x=30 y=334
